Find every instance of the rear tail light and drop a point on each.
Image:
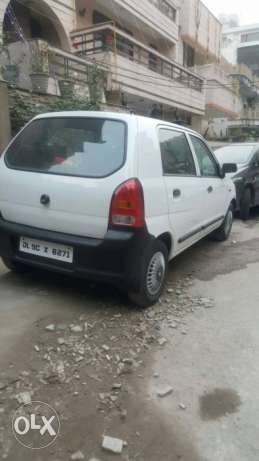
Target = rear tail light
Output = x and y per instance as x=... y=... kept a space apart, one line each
x=127 y=206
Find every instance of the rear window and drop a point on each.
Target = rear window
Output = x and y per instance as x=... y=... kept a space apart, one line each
x=88 y=147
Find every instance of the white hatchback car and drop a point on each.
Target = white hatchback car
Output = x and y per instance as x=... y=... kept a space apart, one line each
x=110 y=197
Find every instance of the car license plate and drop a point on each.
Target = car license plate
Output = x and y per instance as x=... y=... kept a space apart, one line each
x=46 y=249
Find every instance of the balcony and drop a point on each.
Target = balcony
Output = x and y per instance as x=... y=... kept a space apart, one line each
x=222 y=94
x=60 y=65
x=248 y=82
x=139 y=70
x=156 y=19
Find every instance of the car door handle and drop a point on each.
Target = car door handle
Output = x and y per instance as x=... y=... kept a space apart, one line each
x=176 y=193
x=210 y=189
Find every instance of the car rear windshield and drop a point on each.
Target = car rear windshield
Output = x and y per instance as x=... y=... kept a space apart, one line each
x=234 y=154
x=88 y=147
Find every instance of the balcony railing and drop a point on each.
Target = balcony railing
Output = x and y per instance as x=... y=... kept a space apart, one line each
x=106 y=38
x=64 y=65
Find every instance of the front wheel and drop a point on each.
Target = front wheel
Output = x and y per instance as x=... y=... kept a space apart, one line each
x=224 y=231
x=152 y=276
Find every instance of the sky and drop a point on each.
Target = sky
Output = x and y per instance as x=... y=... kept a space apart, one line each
x=247 y=11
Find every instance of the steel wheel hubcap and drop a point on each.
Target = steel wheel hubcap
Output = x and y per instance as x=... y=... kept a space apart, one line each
x=156 y=273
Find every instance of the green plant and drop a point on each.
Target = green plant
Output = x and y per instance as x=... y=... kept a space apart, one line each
x=24 y=108
x=97 y=78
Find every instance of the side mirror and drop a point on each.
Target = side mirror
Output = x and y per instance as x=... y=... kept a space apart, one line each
x=228 y=168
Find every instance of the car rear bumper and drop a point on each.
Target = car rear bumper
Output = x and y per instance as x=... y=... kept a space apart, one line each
x=117 y=258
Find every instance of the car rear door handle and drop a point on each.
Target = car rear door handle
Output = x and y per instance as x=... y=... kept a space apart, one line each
x=210 y=189
x=176 y=193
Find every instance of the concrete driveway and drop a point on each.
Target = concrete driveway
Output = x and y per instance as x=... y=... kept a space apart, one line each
x=105 y=366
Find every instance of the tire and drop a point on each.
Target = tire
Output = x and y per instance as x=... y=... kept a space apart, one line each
x=223 y=232
x=245 y=204
x=152 y=277
x=16 y=267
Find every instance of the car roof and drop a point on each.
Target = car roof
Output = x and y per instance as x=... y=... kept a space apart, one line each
x=126 y=117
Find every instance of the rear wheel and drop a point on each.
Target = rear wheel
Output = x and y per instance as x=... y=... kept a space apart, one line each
x=245 y=204
x=15 y=266
x=152 y=277
x=224 y=230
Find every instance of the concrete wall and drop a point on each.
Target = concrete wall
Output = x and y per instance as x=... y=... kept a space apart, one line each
x=220 y=95
x=145 y=13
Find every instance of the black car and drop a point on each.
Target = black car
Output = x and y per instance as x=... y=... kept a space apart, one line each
x=246 y=156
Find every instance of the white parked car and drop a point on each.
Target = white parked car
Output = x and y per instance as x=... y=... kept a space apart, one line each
x=109 y=197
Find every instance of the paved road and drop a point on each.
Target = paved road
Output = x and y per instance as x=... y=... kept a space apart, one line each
x=211 y=360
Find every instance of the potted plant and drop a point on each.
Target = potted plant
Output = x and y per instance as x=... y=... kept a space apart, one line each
x=39 y=67
x=66 y=87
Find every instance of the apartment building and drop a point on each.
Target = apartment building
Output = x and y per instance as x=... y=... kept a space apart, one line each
x=162 y=57
x=240 y=45
x=137 y=42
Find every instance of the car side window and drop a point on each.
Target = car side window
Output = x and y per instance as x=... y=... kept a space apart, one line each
x=207 y=164
x=256 y=159
x=176 y=154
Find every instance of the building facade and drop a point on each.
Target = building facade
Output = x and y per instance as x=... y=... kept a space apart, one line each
x=161 y=57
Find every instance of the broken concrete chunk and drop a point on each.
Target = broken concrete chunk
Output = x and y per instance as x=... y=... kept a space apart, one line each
x=77 y=456
x=24 y=398
x=164 y=391
x=61 y=341
x=50 y=327
x=76 y=329
x=182 y=406
x=123 y=414
x=112 y=444
x=117 y=386
x=162 y=341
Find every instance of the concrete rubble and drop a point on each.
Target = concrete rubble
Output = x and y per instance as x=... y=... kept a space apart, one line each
x=77 y=456
x=95 y=357
x=164 y=391
x=112 y=444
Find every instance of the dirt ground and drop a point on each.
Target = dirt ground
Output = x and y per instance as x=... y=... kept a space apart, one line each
x=101 y=363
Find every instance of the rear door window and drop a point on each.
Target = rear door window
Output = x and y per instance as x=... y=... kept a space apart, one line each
x=88 y=147
x=176 y=154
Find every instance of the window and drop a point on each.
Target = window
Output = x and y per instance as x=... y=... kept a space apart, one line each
x=188 y=55
x=176 y=154
x=256 y=159
x=73 y=146
x=165 y=8
x=250 y=37
x=207 y=164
